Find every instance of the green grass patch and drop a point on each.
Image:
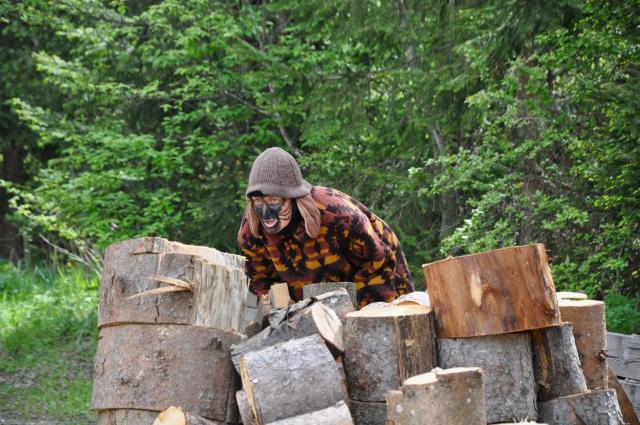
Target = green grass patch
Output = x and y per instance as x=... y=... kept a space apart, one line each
x=47 y=342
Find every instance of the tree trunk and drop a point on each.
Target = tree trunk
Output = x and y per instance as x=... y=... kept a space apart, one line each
x=441 y=397
x=290 y=379
x=491 y=293
x=627 y=409
x=333 y=415
x=593 y=408
x=154 y=366
x=369 y=412
x=13 y=171
x=506 y=361
x=246 y=414
x=556 y=364
x=590 y=332
x=385 y=346
x=315 y=289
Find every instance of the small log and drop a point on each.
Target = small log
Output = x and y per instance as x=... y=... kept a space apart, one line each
x=176 y=416
x=416 y=297
x=315 y=289
x=151 y=367
x=589 y=330
x=333 y=415
x=338 y=301
x=385 y=346
x=279 y=295
x=452 y=396
x=506 y=360
x=290 y=379
x=491 y=293
x=307 y=317
x=623 y=352
x=626 y=406
x=598 y=407
x=556 y=363
x=369 y=412
x=246 y=414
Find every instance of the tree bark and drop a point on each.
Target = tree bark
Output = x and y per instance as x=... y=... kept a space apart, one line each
x=369 y=412
x=629 y=415
x=246 y=414
x=315 y=289
x=556 y=364
x=290 y=379
x=333 y=415
x=154 y=366
x=491 y=293
x=126 y=417
x=593 y=408
x=589 y=331
x=506 y=361
x=385 y=346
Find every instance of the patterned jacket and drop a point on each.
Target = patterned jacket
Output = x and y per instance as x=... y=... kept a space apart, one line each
x=353 y=245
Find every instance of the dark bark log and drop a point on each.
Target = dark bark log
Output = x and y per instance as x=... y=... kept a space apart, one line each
x=369 y=412
x=333 y=415
x=246 y=414
x=593 y=408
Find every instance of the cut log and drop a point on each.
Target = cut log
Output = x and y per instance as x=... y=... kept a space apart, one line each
x=176 y=416
x=154 y=366
x=246 y=414
x=338 y=301
x=623 y=352
x=571 y=295
x=155 y=245
x=129 y=271
x=589 y=330
x=416 y=297
x=334 y=415
x=369 y=412
x=452 y=396
x=290 y=379
x=305 y=318
x=556 y=363
x=126 y=417
x=627 y=409
x=507 y=364
x=632 y=388
x=315 y=289
x=385 y=346
x=598 y=407
x=495 y=292
x=279 y=295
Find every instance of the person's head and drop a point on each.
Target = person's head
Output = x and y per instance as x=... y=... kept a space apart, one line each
x=275 y=183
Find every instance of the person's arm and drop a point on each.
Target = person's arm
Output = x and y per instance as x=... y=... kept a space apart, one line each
x=259 y=267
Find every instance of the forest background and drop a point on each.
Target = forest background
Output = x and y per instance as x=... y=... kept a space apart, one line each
x=466 y=125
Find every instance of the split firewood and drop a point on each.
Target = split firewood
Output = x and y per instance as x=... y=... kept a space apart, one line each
x=333 y=415
x=629 y=414
x=176 y=416
x=246 y=414
x=506 y=361
x=589 y=330
x=153 y=366
x=556 y=363
x=446 y=397
x=152 y=280
x=315 y=289
x=491 y=293
x=302 y=319
x=279 y=295
x=598 y=407
x=369 y=412
x=292 y=378
x=385 y=346
x=339 y=301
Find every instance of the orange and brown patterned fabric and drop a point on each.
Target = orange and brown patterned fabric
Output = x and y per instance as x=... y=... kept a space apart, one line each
x=353 y=245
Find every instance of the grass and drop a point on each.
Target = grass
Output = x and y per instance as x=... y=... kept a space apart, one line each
x=47 y=342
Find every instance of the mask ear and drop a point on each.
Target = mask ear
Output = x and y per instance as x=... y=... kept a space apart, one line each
x=252 y=218
x=310 y=214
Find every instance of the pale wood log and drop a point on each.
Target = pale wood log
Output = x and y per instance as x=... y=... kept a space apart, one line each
x=339 y=301
x=290 y=379
x=216 y=300
x=279 y=295
x=623 y=354
x=589 y=330
x=564 y=295
x=598 y=407
x=385 y=346
x=154 y=366
x=416 y=297
x=507 y=364
x=495 y=292
x=246 y=414
x=440 y=397
x=155 y=245
x=315 y=289
x=369 y=412
x=556 y=363
x=176 y=416
x=304 y=318
x=333 y=415
x=629 y=414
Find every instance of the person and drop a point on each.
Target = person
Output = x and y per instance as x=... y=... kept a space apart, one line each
x=297 y=233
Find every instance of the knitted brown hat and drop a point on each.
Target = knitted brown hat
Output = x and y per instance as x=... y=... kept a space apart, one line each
x=275 y=172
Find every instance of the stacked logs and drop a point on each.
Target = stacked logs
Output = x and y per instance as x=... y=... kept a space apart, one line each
x=498 y=311
x=168 y=316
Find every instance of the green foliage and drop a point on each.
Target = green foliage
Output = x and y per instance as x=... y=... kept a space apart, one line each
x=623 y=313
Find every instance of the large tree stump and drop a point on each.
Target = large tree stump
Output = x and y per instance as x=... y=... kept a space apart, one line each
x=290 y=379
x=154 y=366
x=385 y=346
x=593 y=408
x=441 y=397
x=315 y=289
x=369 y=412
x=506 y=360
x=629 y=414
x=556 y=363
x=305 y=318
x=589 y=330
x=495 y=292
x=246 y=414
x=333 y=415
x=131 y=267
